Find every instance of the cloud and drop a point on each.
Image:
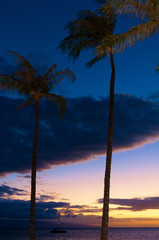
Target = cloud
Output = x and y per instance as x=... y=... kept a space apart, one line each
x=20 y=209
x=46 y=206
x=75 y=210
x=6 y=191
x=100 y=200
x=134 y=204
x=44 y=197
x=6 y=67
x=14 y=193
x=14 y=209
x=79 y=136
x=27 y=176
x=89 y=220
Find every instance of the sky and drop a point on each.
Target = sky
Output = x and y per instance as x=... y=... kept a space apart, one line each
x=71 y=151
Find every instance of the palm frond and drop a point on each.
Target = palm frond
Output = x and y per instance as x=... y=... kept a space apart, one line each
x=74 y=44
x=144 y=30
x=87 y=31
x=59 y=76
x=86 y=14
x=113 y=43
x=131 y=7
x=78 y=41
x=157 y=68
x=60 y=101
x=136 y=8
x=108 y=10
x=15 y=85
x=24 y=63
x=27 y=102
x=69 y=74
x=47 y=74
x=10 y=83
x=24 y=75
x=93 y=61
x=118 y=42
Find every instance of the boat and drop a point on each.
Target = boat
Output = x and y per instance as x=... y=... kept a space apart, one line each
x=58 y=229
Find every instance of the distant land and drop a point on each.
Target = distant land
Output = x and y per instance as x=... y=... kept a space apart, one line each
x=21 y=223
x=41 y=224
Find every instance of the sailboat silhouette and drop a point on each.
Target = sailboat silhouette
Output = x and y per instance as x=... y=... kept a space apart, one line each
x=58 y=229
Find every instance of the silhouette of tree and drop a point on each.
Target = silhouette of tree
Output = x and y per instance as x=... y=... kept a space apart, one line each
x=25 y=81
x=89 y=30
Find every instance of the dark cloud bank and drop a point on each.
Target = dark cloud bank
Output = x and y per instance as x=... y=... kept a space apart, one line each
x=80 y=135
x=15 y=212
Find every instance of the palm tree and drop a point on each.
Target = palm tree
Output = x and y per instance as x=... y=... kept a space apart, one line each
x=146 y=10
x=25 y=81
x=88 y=31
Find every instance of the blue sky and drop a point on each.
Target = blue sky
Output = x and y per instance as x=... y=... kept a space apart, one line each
x=34 y=29
x=37 y=27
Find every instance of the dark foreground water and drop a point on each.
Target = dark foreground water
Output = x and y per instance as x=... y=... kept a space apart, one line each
x=83 y=234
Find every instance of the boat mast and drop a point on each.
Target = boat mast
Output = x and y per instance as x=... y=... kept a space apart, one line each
x=58 y=224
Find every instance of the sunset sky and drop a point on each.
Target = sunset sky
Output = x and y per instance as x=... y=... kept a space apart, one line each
x=71 y=151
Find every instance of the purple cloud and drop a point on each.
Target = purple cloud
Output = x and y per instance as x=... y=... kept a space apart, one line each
x=134 y=204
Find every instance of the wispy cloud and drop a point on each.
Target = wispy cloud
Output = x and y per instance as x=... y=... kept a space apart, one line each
x=6 y=191
x=44 y=197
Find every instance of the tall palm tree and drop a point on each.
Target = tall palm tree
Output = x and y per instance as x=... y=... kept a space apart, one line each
x=145 y=10
x=88 y=31
x=25 y=81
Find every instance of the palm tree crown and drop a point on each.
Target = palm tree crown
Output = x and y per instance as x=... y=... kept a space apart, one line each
x=88 y=31
x=27 y=82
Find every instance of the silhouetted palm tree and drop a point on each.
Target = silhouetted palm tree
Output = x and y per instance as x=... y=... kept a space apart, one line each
x=88 y=31
x=25 y=81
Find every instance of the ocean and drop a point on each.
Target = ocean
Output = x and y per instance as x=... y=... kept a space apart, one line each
x=83 y=234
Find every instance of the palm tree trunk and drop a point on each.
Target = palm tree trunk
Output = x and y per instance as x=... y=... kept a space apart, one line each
x=33 y=176
x=105 y=217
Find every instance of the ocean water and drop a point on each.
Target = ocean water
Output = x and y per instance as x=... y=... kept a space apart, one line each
x=83 y=234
